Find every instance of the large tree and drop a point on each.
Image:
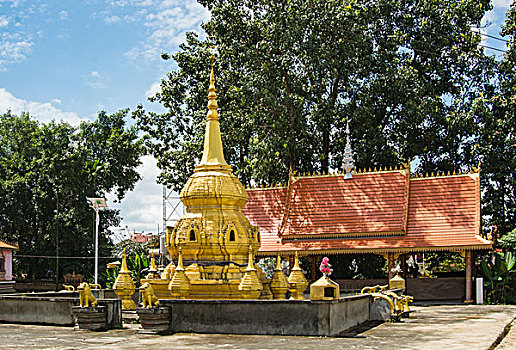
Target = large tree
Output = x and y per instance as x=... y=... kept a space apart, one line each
x=495 y=142
x=46 y=173
x=291 y=74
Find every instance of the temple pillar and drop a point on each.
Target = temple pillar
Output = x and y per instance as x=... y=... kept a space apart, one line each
x=469 y=275
x=314 y=268
x=290 y=263
x=390 y=264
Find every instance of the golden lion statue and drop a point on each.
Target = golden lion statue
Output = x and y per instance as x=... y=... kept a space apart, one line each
x=86 y=298
x=69 y=288
x=149 y=299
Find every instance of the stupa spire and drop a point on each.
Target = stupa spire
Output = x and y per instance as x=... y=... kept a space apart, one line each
x=213 y=153
x=348 y=164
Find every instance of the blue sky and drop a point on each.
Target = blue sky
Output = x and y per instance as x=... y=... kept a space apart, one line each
x=67 y=60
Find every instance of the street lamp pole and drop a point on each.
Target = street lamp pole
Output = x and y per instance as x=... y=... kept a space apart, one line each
x=96 y=204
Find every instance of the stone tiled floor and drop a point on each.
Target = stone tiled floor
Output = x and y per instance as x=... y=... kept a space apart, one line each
x=436 y=327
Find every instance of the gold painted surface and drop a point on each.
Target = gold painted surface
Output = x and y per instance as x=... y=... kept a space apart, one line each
x=149 y=298
x=318 y=288
x=86 y=299
x=397 y=282
x=279 y=282
x=214 y=235
x=297 y=281
x=124 y=286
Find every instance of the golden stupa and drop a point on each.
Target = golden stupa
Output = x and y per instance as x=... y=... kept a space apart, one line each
x=213 y=243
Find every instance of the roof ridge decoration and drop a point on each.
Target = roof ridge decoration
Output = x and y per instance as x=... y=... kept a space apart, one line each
x=348 y=165
x=472 y=172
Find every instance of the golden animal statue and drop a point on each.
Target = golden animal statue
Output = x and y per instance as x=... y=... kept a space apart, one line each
x=86 y=298
x=395 y=314
x=69 y=288
x=95 y=286
x=149 y=299
x=374 y=289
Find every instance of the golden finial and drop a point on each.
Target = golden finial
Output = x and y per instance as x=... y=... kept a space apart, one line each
x=390 y=168
x=454 y=172
x=278 y=263
x=180 y=266
x=212 y=97
x=296 y=262
x=124 y=263
x=250 y=262
x=153 y=263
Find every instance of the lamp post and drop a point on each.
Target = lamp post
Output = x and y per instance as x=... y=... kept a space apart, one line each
x=96 y=204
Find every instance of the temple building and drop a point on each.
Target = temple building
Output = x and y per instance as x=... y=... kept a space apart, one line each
x=388 y=212
x=6 y=261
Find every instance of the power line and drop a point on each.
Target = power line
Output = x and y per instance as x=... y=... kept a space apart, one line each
x=492 y=36
x=63 y=257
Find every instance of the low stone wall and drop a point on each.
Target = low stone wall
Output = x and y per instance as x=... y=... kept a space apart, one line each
x=441 y=288
x=280 y=317
x=37 y=310
x=51 y=308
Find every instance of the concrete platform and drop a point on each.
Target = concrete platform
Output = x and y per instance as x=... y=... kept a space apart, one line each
x=433 y=327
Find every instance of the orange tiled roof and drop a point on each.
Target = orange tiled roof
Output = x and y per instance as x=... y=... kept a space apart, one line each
x=369 y=213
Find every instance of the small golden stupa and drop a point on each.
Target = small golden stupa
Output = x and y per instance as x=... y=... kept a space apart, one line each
x=213 y=243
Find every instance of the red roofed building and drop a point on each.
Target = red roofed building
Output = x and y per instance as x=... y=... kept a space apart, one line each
x=382 y=212
x=6 y=261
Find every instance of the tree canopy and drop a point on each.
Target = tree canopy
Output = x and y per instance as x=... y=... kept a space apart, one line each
x=408 y=76
x=46 y=173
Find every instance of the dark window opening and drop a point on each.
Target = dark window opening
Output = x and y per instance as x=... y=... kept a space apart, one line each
x=329 y=292
x=192 y=235
x=232 y=236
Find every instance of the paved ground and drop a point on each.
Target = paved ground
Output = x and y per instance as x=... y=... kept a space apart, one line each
x=435 y=327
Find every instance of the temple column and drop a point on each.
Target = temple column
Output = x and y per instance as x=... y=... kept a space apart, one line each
x=290 y=263
x=390 y=264
x=469 y=275
x=314 y=268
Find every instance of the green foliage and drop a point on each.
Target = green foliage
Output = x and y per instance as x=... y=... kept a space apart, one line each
x=138 y=266
x=358 y=266
x=46 y=173
x=435 y=263
x=108 y=277
x=290 y=75
x=499 y=277
x=131 y=248
x=508 y=241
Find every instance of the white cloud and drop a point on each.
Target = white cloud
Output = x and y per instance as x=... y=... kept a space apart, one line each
x=142 y=208
x=57 y=101
x=96 y=80
x=63 y=14
x=167 y=23
x=42 y=111
x=156 y=87
x=502 y=3
x=112 y=19
x=13 y=50
x=4 y=21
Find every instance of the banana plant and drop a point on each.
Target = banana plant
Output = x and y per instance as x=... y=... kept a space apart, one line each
x=498 y=276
